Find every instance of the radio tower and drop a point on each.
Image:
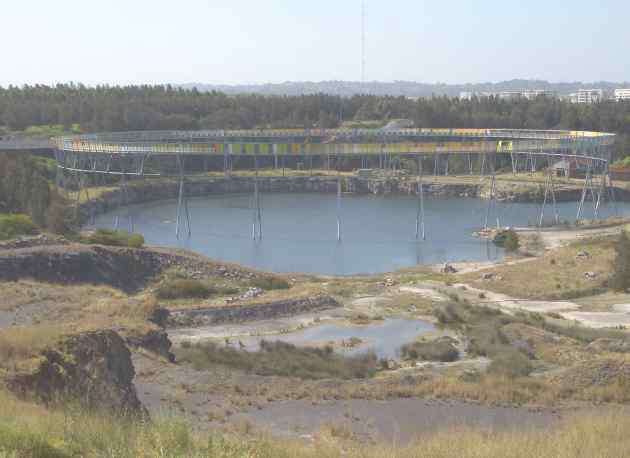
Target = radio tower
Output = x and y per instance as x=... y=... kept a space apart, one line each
x=363 y=41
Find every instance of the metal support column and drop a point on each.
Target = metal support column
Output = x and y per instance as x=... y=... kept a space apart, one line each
x=491 y=200
x=420 y=211
x=257 y=222
x=338 y=201
x=182 y=203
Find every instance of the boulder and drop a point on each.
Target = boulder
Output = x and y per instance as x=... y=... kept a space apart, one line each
x=91 y=368
x=449 y=269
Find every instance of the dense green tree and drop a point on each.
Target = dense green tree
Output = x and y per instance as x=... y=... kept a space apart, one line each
x=113 y=108
x=25 y=188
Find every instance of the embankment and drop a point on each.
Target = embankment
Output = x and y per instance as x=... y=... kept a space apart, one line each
x=163 y=189
x=252 y=312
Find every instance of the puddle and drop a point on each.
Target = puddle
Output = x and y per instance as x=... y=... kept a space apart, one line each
x=383 y=337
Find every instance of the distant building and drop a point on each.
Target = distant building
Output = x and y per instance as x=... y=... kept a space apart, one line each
x=570 y=168
x=587 y=96
x=622 y=94
x=508 y=95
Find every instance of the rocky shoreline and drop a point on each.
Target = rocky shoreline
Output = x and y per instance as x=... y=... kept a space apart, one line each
x=155 y=190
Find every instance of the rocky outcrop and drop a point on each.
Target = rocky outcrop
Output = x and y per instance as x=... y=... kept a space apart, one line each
x=38 y=240
x=252 y=312
x=155 y=341
x=124 y=268
x=92 y=368
x=153 y=190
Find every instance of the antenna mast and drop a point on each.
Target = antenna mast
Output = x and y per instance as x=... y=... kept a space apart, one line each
x=363 y=41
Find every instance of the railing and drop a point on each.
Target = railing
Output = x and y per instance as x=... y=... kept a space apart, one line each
x=337 y=141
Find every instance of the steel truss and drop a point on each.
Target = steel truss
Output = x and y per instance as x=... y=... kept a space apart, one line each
x=133 y=157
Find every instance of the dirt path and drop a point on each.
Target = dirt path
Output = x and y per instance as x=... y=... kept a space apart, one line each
x=555 y=238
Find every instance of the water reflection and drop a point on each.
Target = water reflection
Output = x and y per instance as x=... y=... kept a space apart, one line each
x=300 y=230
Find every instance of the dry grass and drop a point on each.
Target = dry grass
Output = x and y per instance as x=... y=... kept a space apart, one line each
x=556 y=275
x=282 y=359
x=27 y=430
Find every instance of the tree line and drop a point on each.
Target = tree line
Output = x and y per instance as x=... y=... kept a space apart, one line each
x=25 y=188
x=115 y=108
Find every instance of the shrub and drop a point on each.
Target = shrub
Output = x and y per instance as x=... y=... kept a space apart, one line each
x=283 y=359
x=511 y=241
x=184 y=289
x=59 y=218
x=435 y=350
x=135 y=241
x=15 y=225
x=270 y=282
x=447 y=315
x=511 y=364
x=116 y=238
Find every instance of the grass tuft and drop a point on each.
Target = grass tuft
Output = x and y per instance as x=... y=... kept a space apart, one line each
x=283 y=359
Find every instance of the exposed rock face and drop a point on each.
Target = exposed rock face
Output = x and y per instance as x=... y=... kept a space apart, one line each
x=127 y=269
x=92 y=368
x=236 y=313
x=148 y=191
x=155 y=341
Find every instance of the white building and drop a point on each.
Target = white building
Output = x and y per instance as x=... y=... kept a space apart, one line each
x=526 y=94
x=587 y=96
x=622 y=94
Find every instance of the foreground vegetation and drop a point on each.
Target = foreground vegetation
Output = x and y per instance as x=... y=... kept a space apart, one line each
x=283 y=359
x=25 y=188
x=28 y=430
x=107 y=108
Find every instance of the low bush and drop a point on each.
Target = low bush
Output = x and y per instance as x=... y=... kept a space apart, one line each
x=269 y=283
x=16 y=225
x=116 y=238
x=283 y=359
x=184 y=289
x=447 y=315
x=435 y=350
x=511 y=241
x=511 y=364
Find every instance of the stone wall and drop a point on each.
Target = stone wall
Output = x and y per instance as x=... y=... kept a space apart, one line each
x=251 y=312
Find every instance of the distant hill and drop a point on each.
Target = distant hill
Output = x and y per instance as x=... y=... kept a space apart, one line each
x=398 y=88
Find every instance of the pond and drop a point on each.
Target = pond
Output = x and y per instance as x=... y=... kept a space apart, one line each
x=300 y=230
x=384 y=337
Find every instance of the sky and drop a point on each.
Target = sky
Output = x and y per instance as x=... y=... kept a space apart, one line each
x=258 y=41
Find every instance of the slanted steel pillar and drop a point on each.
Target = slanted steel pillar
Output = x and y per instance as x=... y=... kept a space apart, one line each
x=491 y=200
x=338 y=201
x=583 y=197
x=257 y=222
x=420 y=211
x=182 y=203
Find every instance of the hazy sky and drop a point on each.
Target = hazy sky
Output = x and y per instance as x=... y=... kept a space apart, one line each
x=255 y=41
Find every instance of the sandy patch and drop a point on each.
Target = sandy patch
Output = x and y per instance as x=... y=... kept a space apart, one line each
x=599 y=319
x=370 y=301
x=506 y=302
x=424 y=292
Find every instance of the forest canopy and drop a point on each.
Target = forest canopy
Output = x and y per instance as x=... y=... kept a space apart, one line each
x=114 y=108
